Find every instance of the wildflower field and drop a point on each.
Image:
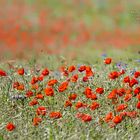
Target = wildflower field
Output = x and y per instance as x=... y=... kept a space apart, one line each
x=69 y=70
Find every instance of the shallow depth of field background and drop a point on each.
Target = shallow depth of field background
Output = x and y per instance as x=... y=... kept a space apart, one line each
x=68 y=27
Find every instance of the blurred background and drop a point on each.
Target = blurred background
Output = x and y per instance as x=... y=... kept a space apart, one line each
x=67 y=27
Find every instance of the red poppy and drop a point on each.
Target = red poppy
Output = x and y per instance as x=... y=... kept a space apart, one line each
x=20 y=87
x=55 y=115
x=80 y=105
x=89 y=71
x=21 y=71
x=117 y=119
x=121 y=107
x=127 y=97
x=121 y=92
x=86 y=118
x=34 y=80
x=49 y=91
x=93 y=96
x=40 y=78
x=88 y=92
x=94 y=106
x=29 y=93
x=36 y=121
x=85 y=79
x=45 y=72
x=63 y=86
x=133 y=82
x=108 y=117
x=41 y=111
x=68 y=103
x=71 y=68
x=136 y=74
x=2 y=73
x=73 y=96
x=113 y=75
x=52 y=82
x=74 y=78
x=138 y=105
x=112 y=95
x=126 y=79
x=107 y=60
x=99 y=90
x=82 y=68
x=33 y=102
x=136 y=90
x=40 y=96
x=10 y=126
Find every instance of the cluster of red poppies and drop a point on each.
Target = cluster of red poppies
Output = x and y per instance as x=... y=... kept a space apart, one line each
x=43 y=86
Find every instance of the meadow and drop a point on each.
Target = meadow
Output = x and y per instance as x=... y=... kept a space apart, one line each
x=69 y=70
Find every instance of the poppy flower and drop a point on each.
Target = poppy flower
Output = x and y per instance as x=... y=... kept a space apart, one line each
x=21 y=71
x=10 y=126
x=117 y=119
x=136 y=90
x=29 y=94
x=85 y=79
x=36 y=121
x=89 y=71
x=121 y=107
x=41 y=110
x=127 y=97
x=107 y=61
x=55 y=115
x=52 y=82
x=20 y=87
x=33 y=102
x=136 y=74
x=126 y=79
x=39 y=96
x=71 y=68
x=86 y=118
x=80 y=105
x=121 y=92
x=74 y=78
x=93 y=96
x=82 y=68
x=2 y=73
x=138 y=105
x=68 y=103
x=34 y=80
x=45 y=72
x=133 y=82
x=108 y=117
x=100 y=90
x=40 y=78
x=112 y=95
x=63 y=86
x=73 y=96
x=113 y=75
x=88 y=92
x=49 y=91
x=94 y=106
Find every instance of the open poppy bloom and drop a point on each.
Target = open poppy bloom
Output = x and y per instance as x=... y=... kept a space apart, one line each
x=10 y=126
x=55 y=115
